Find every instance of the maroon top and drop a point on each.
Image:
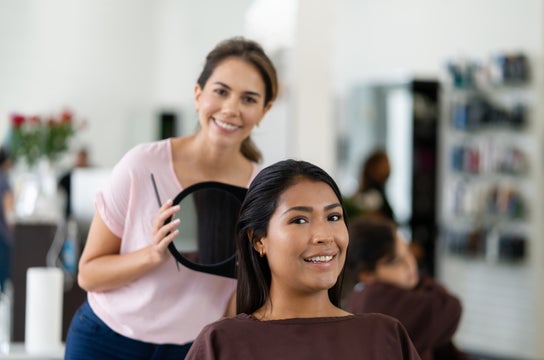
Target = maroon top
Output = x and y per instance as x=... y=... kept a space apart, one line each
x=429 y=313
x=369 y=336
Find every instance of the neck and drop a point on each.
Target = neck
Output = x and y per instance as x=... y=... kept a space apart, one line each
x=298 y=306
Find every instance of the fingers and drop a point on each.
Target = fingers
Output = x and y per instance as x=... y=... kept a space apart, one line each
x=167 y=234
x=165 y=212
x=163 y=234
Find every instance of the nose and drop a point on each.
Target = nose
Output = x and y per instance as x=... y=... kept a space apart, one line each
x=231 y=106
x=322 y=234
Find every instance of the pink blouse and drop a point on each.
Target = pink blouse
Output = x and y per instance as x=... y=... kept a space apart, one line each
x=165 y=305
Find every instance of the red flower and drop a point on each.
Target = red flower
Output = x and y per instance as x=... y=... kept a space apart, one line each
x=66 y=116
x=17 y=120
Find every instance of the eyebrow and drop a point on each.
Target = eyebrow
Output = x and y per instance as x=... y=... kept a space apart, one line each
x=309 y=208
x=247 y=92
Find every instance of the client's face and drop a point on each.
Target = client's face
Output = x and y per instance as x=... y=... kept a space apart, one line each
x=401 y=269
x=307 y=239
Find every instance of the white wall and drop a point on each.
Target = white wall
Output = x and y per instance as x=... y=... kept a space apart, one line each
x=115 y=63
x=374 y=39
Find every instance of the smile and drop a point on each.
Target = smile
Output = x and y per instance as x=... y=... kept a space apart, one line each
x=225 y=125
x=319 y=259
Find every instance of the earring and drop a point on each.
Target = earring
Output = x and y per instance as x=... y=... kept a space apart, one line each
x=261 y=252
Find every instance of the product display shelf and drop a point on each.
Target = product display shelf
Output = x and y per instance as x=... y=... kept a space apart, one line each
x=488 y=216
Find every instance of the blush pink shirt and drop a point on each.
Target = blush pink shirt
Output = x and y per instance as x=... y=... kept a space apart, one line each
x=165 y=305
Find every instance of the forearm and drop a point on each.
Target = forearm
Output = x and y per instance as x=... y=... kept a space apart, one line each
x=112 y=271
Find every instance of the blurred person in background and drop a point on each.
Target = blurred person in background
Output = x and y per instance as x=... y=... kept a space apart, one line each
x=65 y=182
x=370 y=198
x=7 y=217
x=387 y=282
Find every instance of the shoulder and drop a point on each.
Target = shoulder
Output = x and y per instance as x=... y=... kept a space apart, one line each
x=147 y=151
x=227 y=324
x=145 y=157
x=381 y=325
x=376 y=319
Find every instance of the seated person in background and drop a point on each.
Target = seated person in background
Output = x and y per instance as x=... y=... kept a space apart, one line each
x=292 y=239
x=388 y=283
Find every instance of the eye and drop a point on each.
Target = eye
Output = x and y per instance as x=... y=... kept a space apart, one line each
x=334 y=217
x=249 y=100
x=220 y=91
x=298 y=220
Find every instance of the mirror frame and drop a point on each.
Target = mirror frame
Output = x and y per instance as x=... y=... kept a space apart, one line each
x=226 y=267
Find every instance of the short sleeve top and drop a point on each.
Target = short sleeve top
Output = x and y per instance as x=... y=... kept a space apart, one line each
x=169 y=304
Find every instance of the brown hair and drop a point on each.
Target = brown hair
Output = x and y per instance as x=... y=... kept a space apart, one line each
x=251 y=52
x=370 y=240
x=368 y=176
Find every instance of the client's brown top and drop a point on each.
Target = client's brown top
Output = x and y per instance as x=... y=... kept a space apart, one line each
x=368 y=336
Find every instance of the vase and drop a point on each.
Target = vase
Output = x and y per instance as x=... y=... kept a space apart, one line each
x=36 y=194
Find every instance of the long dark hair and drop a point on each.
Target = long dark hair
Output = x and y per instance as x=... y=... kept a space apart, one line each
x=251 y=52
x=254 y=275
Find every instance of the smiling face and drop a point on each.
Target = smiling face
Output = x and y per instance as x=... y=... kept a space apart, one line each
x=232 y=101
x=306 y=240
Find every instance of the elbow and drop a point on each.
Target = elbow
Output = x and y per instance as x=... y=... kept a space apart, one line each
x=83 y=279
x=82 y=282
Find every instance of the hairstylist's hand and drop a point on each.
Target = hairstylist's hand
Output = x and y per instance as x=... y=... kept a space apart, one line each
x=164 y=234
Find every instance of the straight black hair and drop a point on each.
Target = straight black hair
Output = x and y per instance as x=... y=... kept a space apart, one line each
x=254 y=277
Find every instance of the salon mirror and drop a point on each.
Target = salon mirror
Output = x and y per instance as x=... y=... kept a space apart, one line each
x=207 y=241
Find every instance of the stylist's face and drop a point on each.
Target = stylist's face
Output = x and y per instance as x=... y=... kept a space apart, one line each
x=306 y=240
x=232 y=101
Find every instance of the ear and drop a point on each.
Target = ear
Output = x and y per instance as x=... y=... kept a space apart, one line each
x=267 y=107
x=256 y=243
x=198 y=92
x=366 y=277
x=259 y=246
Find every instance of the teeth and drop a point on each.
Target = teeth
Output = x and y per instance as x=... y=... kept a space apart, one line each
x=225 y=125
x=319 y=259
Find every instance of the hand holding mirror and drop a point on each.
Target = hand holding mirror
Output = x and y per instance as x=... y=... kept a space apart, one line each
x=207 y=240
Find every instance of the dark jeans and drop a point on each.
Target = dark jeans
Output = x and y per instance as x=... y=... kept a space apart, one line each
x=90 y=338
x=5 y=263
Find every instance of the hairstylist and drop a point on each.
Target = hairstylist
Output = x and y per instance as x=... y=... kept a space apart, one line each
x=139 y=306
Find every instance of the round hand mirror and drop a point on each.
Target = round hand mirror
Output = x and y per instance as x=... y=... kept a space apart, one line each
x=207 y=240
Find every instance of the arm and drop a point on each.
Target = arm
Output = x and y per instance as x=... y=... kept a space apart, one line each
x=8 y=203
x=103 y=268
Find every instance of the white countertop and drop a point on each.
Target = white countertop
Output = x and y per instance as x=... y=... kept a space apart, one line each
x=17 y=351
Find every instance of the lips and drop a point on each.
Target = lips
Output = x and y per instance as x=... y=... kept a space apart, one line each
x=225 y=125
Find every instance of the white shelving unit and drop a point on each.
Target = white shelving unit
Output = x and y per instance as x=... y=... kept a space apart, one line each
x=489 y=217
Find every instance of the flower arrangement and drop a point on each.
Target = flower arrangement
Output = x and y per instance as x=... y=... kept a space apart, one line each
x=33 y=137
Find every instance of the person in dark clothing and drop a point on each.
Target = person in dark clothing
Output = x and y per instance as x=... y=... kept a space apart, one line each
x=65 y=182
x=370 y=199
x=291 y=246
x=389 y=283
x=6 y=218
